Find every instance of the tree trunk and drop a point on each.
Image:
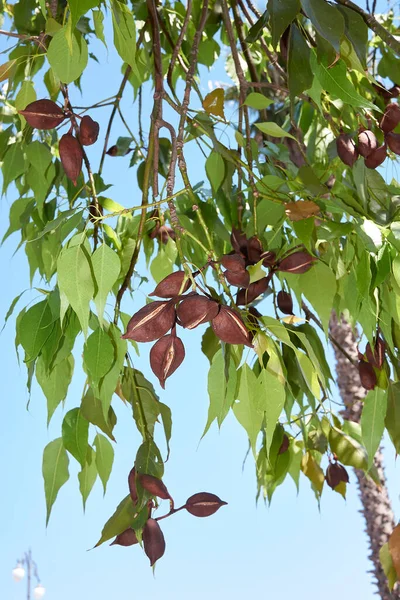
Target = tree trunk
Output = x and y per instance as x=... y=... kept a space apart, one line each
x=376 y=506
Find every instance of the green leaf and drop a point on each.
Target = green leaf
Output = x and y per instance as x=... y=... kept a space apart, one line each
x=387 y=564
x=98 y=354
x=272 y=129
x=35 y=327
x=256 y=30
x=166 y=417
x=148 y=460
x=347 y=449
x=373 y=421
x=125 y=34
x=98 y=18
x=357 y=32
x=88 y=475
x=210 y=344
x=55 y=472
x=221 y=389
x=327 y=20
x=13 y=165
x=55 y=383
x=68 y=62
x=282 y=13
x=299 y=70
x=392 y=420
x=106 y=268
x=249 y=408
x=272 y=394
x=75 y=435
x=334 y=80
x=257 y=101
x=120 y=520
x=75 y=280
x=92 y=410
x=215 y=169
x=104 y=458
x=25 y=96
x=79 y=8
x=313 y=471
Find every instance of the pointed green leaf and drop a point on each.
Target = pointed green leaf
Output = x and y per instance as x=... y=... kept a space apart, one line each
x=55 y=471
x=273 y=129
x=257 y=101
x=392 y=420
x=88 y=475
x=272 y=393
x=68 y=62
x=104 y=458
x=299 y=70
x=92 y=410
x=25 y=96
x=327 y=20
x=55 y=383
x=98 y=354
x=80 y=7
x=347 y=449
x=13 y=165
x=98 y=18
x=220 y=389
x=282 y=13
x=250 y=405
x=215 y=169
x=35 y=327
x=106 y=268
x=125 y=34
x=121 y=519
x=75 y=435
x=373 y=421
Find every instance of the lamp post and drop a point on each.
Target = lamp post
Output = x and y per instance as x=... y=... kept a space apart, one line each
x=28 y=564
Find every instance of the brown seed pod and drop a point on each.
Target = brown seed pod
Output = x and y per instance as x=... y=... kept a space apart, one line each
x=394 y=91
x=203 y=504
x=376 y=157
x=195 y=310
x=285 y=302
x=377 y=357
x=112 y=151
x=88 y=131
x=391 y=117
x=367 y=143
x=285 y=445
x=393 y=141
x=172 y=285
x=71 y=155
x=335 y=474
x=238 y=278
x=298 y=262
x=153 y=541
x=269 y=258
x=132 y=485
x=163 y=233
x=253 y=291
x=228 y=326
x=166 y=356
x=254 y=250
x=43 y=114
x=346 y=149
x=367 y=375
x=151 y=322
x=238 y=240
x=154 y=486
x=126 y=538
x=233 y=262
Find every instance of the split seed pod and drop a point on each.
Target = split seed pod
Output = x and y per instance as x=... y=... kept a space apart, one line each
x=126 y=538
x=285 y=302
x=346 y=149
x=253 y=291
x=154 y=485
x=254 y=250
x=153 y=541
x=43 y=114
x=88 y=131
x=376 y=157
x=132 y=485
x=166 y=356
x=151 y=322
x=228 y=326
x=203 y=504
x=377 y=357
x=238 y=278
x=393 y=141
x=367 y=143
x=335 y=474
x=298 y=262
x=71 y=156
x=172 y=285
x=367 y=375
x=391 y=117
x=195 y=310
x=269 y=258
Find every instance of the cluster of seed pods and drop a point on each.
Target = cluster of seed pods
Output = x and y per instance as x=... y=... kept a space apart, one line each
x=370 y=363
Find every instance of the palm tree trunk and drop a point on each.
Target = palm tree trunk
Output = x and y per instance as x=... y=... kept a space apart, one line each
x=376 y=506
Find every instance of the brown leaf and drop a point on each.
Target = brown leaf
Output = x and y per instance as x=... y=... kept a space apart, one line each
x=253 y=291
x=233 y=262
x=132 y=485
x=394 y=549
x=126 y=538
x=285 y=302
x=391 y=117
x=335 y=474
x=203 y=504
x=377 y=357
x=367 y=143
x=43 y=114
x=213 y=103
x=393 y=141
x=376 y=157
x=154 y=486
x=153 y=541
x=151 y=322
x=298 y=262
x=172 y=285
x=367 y=375
x=195 y=310
x=346 y=149
x=238 y=278
x=166 y=356
x=228 y=326
x=297 y=211
x=71 y=156
x=88 y=131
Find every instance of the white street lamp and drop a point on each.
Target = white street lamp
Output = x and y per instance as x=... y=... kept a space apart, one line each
x=18 y=573
x=39 y=592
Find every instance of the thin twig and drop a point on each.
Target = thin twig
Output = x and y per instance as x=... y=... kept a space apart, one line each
x=177 y=47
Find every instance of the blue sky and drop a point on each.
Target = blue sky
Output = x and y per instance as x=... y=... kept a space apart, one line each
x=288 y=550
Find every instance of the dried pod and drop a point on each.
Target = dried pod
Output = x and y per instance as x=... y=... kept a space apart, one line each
x=393 y=141
x=43 y=114
x=238 y=240
x=151 y=322
x=228 y=326
x=203 y=504
x=238 y=278
x=335 y=474
x=394 y=91
x=253 y=291
x=367 y=143
x=377 y=357
x=346 y=149
x=126 y=538
x=391 y=117
x=172 y=285
x=285 y=302
x=367 y=375
x=195 y=310
x=269 y=258
x=233 y=262
x=254 y=250
x=166 y=356
x=163 y=232
x=88 y=131
x=112 y=151
x=132 y=485
x=153 y=541
x=284 y=447
x=154 y=486
x=376 y=157
x=71 y=156
x=298 y=262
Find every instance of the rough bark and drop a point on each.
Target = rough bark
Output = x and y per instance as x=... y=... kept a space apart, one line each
x=376 y=506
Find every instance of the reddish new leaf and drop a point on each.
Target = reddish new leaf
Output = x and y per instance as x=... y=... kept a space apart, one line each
x=43 y=114
x=166 y=356
x=195 y=310
x=153 y=541
x=126 y=538
x=71 y=156
x=298 y=262
x=203 y=504
x=228 y=326
x=154 y=486
x=88 y=131
x=172 y=285
x=151 y=322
